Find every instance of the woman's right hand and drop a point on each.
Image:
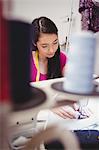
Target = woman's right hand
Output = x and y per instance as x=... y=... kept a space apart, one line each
x=67 y=111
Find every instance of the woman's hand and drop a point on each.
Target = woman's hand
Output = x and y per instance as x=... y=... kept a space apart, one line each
x=85 y=112
x=67 y=111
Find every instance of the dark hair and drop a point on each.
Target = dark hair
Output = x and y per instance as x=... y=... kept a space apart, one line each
x=45 y=25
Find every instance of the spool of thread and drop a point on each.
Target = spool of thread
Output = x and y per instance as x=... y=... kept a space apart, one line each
x=96 y=69
x=20 y=41
x=80 y=65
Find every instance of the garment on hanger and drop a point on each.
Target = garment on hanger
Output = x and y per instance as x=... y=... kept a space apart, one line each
x=96 y=2
x=90 y=15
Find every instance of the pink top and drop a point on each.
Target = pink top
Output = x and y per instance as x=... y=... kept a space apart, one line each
x=63 y=60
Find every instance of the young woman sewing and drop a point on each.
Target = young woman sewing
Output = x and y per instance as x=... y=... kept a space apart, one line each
x=47 y=60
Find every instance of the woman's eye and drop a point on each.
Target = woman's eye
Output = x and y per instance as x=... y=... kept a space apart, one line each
x=55 y=43
x=44 y=46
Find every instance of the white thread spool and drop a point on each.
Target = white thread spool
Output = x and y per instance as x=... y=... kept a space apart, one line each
x=80 y=65
x=97 y=54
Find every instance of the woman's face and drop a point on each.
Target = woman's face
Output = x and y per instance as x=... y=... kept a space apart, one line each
x=47 y=45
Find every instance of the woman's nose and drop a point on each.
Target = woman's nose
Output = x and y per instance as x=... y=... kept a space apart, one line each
x=51 y=50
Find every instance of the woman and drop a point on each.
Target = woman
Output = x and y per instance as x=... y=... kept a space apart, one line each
x=47 y=61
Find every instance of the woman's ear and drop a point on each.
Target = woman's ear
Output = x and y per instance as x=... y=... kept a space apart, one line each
x=34 y=44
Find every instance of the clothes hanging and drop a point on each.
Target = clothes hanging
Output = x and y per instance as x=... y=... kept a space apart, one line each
x=90 y=15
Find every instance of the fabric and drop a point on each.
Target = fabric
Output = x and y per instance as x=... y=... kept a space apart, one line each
x=96 y=2
x=63 y=60
x=90 y=15
x=88 y=136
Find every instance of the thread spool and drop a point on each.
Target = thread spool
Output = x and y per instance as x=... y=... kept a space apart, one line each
x=23 y=95
x=80 y=65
